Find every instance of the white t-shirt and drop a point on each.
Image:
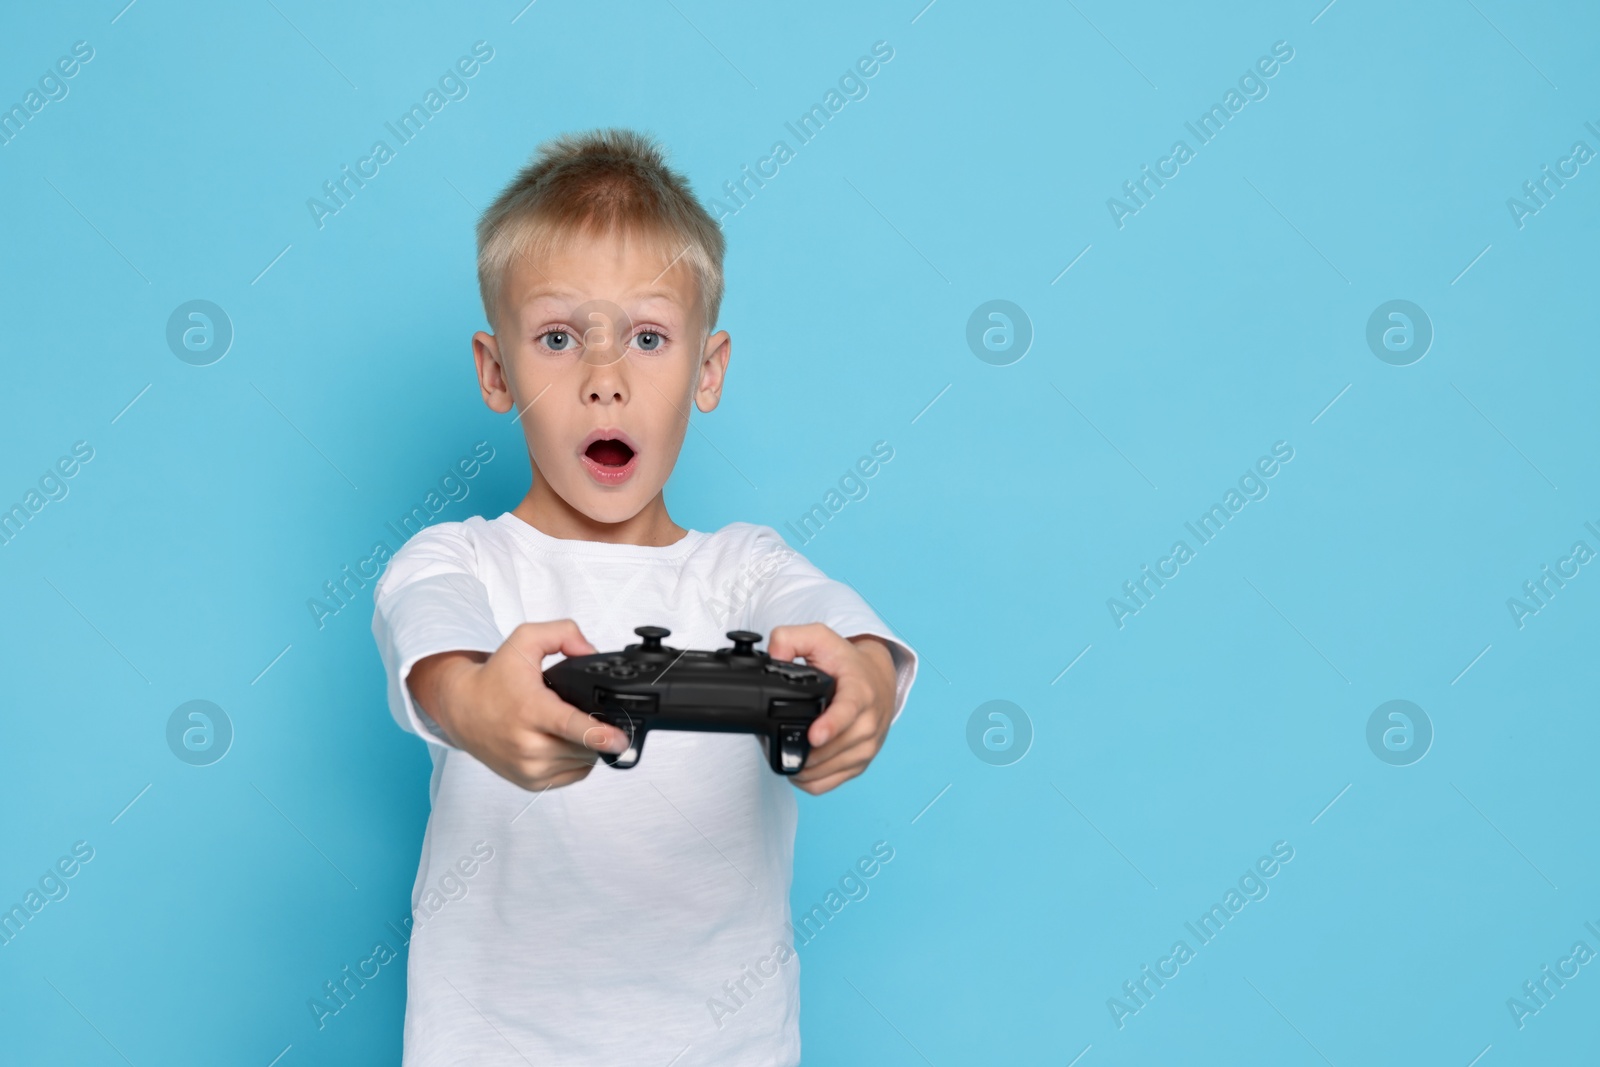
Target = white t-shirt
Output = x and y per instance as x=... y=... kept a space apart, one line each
x=598 y=923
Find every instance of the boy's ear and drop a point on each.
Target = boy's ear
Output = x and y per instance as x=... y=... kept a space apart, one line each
x=492 y=378
x=713 y=370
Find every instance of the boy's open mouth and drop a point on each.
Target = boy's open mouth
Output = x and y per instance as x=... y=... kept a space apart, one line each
x=608 y=459
x=610 y=453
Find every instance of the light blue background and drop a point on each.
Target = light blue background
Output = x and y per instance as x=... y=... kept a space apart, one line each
x=1223 y=317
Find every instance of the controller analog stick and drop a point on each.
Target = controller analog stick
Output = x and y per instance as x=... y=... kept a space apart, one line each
x=652 y=637
x=744 y=642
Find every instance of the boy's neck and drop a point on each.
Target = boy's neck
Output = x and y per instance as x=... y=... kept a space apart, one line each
x=547 y=512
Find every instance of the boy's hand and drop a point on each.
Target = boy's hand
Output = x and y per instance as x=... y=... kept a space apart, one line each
x=846 y=736
x=499 y=709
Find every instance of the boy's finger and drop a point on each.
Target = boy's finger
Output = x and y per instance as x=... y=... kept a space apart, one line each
x=554 y=766
x=844 y=710
x=586 y=731
x=856 y=754
x=811 y=641
x=579 y=728
x=820 y=786
x=573 y=643
x=561 y=636
x=849 y=700
x=852 y=746
x=552 y=779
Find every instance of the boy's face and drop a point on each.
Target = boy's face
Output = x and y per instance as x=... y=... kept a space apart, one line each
x=601 y=350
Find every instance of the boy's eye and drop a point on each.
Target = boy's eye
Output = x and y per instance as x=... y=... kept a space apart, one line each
x=557 y=340
x=648 y=340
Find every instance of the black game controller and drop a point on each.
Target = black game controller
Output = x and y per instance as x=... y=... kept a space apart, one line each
x=651 y=686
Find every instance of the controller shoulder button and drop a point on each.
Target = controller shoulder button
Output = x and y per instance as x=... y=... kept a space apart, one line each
x=791 y=673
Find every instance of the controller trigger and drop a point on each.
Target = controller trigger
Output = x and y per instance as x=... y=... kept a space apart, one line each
x=790 y=750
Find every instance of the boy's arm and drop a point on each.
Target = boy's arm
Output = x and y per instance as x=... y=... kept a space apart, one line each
x=498 y=708
x=429 y=601
x=456 y=682
x=846 y=737
x=807 y=614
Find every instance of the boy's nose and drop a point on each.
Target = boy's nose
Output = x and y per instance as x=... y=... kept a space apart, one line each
x=605 y=382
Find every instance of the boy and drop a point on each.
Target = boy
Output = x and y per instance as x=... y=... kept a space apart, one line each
x=589 y=918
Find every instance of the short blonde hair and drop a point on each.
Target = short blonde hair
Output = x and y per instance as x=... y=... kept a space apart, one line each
x=594 y=184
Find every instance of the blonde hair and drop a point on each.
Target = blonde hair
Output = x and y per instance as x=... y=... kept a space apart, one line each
x=594 y=184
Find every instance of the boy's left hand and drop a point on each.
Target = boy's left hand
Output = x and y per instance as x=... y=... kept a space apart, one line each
x=846 y=736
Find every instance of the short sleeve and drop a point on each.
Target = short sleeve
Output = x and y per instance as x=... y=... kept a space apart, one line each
x=786 y=589
x=430 y=600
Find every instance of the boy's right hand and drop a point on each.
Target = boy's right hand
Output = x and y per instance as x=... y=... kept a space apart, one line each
x=499 y=709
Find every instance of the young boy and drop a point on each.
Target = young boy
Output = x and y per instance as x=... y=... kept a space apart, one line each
x=568 y=914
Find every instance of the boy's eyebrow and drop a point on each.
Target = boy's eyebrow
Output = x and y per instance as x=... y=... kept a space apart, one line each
x=556 y=292
x=658 y=294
